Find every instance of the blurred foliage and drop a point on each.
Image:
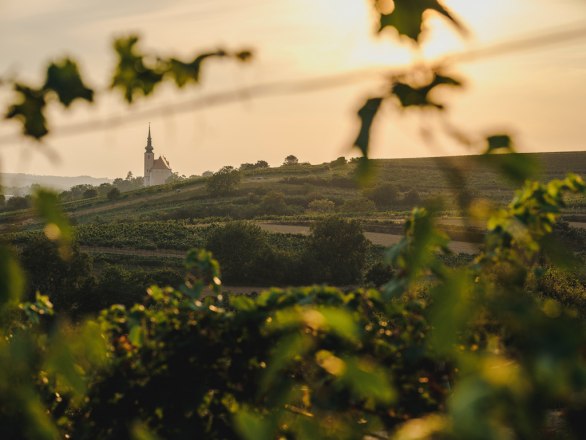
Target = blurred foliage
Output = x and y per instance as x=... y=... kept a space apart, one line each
x=136 y=74
x=407 y=16
x=440 y=352
x=477 y=356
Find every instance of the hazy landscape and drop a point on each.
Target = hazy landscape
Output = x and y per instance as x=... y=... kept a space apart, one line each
x=318 y=229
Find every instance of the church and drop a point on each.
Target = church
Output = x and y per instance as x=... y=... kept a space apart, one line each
x=156 y=172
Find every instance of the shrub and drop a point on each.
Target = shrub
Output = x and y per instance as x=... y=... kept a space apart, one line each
x=290 y=160
x=90 y=193
x=274 y=203
x=336 y=251
x=223 y=182
x=322 y=206
x=237 y=246
x=384 y=195
x=114 y=194
x=17 y=202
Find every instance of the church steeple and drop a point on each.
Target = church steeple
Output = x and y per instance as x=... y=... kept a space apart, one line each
x=149 y=147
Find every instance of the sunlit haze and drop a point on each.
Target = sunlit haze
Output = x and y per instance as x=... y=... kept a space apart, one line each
x=538 y=94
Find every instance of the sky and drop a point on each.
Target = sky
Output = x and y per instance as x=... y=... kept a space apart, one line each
x=538 y=95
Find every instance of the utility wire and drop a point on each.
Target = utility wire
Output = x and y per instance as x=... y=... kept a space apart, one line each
x=279 y=88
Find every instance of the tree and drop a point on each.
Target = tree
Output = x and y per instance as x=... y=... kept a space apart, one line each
x=17 y=202
x=290 y=160
x=339 y=162
x=274 y=203
x=383 y=195
x=114 y=194
x=261 y=164
x=238 y=246
x=337 y=251
x=223 y=182
x=175 y=177
x=90 y=193
x=65 y=281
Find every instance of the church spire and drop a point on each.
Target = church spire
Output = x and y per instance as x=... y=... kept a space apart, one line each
x=149 y=147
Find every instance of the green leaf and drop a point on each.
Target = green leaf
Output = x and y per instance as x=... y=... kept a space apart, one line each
x=500 y=154
x=341 y=322
x=135 y=336
x=499 y=142
x=407 y=17
x=419 y=96
x=57 y=226
x=64 y=79
x=11 y=278
x=61 y=362
x=132 y=76
x=367 y=114
x=244 y=55
x=29 y=110
x=141 y=431
x=190 y=72
x=251 y=426
x=451 y=310
x=368 y=380
x=242 y=303
x=287 y=349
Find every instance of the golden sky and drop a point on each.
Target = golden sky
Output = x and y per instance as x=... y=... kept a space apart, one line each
x=539 y=95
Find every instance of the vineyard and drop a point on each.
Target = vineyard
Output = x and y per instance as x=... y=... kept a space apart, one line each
x=440 y=298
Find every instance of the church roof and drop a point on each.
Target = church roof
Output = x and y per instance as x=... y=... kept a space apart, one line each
x=161 y=164
x=149 y=147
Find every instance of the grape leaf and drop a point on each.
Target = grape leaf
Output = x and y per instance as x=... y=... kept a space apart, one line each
x=64 y=79
x=29 y=110
x=367 y=114
x=132 y=75
x=413 y=96
x=183 y=72
x=407 y=17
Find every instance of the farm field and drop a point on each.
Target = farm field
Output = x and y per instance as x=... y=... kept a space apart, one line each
x=146 y=233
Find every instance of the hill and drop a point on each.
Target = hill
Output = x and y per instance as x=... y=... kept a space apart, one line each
x=60 y=183
x=286 y=192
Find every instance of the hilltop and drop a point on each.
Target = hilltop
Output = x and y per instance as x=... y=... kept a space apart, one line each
x=22 y=181
x=287 y=192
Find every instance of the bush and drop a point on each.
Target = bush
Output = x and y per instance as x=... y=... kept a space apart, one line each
x=114 y=194
x=15 y=203
x=322 y=206
x=90 y=193
x=237 y=246
x=223 y=182
x=378 y=274
x=336 y=251
x=274 y=203
x=290 y=160
x=384 y=196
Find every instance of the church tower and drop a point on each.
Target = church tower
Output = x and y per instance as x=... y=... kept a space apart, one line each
x=149 y=159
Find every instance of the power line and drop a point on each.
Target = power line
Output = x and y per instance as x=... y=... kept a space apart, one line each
x=279 y=88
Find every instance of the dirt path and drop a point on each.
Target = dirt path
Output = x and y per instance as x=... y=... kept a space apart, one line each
x=377 y=238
